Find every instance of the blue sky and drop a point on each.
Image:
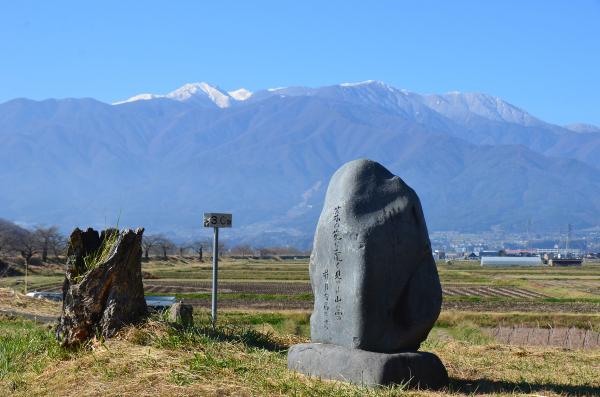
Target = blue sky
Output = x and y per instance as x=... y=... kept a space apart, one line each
x=543 y=56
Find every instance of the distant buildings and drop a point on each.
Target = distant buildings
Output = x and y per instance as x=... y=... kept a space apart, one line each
x=498 y=261
x=550 y=248
x=489 y=253
x=565 y=262
x=438 y=254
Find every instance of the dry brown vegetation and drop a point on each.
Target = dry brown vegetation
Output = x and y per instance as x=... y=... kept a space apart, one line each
x=159 y=359
x=17 y=303
x=246 y=355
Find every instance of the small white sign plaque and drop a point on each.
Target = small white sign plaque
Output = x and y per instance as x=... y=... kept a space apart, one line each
x=213 y=219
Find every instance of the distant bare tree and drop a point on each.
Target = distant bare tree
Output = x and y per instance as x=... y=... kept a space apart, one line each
x=58 y=245
x=200 y=247
x=46 y=236
x=27 y=245
x=264 y=251
x=165 y=245
x=268 y=251
x=148 y=242
x=242 y=250
x=182 y=248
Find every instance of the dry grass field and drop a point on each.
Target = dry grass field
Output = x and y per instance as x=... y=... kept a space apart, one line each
x=520 y=331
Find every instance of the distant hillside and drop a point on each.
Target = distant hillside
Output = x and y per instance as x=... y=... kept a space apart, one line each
x=160 y=160
x=8 y=228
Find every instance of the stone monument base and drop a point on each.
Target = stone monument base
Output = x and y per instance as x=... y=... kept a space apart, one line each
x=418 y=369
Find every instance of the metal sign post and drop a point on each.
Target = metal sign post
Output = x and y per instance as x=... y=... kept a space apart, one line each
x=216 y=221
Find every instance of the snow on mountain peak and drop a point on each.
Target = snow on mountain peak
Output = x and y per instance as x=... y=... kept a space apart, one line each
x=240 y=95
x=366 y=82
x=139 y=97
x=186 y=91
x=455 y=105
x=583 y=128
x=459 y=105
x=200 y=91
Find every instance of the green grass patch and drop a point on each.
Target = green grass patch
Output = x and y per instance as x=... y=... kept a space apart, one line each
x=284 y=323
x=450 y=319
x=465 y=332
x=572 y=300
x=25 y=345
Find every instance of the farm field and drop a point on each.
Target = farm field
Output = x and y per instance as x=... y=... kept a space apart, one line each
x=272 y=284
x=542 y=324
x=279 y=285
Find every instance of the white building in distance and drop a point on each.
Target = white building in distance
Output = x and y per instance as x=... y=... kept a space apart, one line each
x=499 y=261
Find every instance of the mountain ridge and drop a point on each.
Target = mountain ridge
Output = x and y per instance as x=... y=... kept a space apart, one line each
x=268 y=159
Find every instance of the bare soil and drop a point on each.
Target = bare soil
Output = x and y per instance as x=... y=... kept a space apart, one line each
x=14 y=303
x=522 y=306
x=490 y=291
x=568 y=338
x=173 y=286
x=253 y=305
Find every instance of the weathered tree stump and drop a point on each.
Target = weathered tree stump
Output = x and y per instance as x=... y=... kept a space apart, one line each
x=103 y=289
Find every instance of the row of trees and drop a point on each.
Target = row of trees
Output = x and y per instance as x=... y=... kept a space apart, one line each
x=42 y=241
x=160 y=245
x=48 y=241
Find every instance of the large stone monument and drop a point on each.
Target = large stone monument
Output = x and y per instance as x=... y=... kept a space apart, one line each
x=376 y=288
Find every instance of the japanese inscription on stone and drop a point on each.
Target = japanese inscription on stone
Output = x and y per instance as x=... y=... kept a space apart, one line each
x=337 y=259
x=328 y=289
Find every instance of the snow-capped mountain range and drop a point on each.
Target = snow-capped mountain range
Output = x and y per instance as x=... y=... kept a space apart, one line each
x=370 y=92
x=267 y=156
x=199 y=93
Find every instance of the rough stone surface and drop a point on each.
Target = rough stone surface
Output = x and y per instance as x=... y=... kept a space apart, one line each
x=418 y=369
x=181 y=313
x=103 y=300
x=373 y=276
